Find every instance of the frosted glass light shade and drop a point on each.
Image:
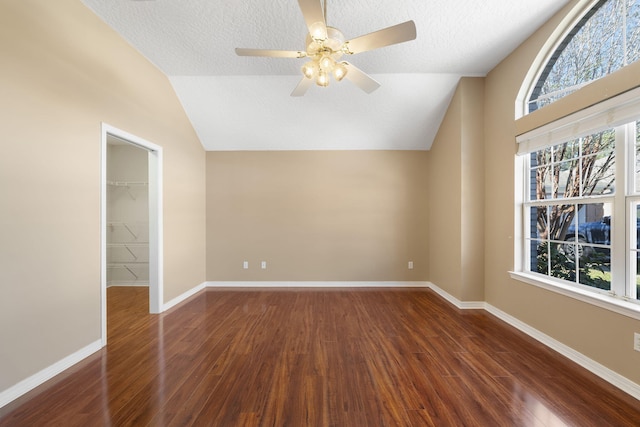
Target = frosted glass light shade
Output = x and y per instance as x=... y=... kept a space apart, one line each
x=318 y=31
x=309 y=69
x=326 y=63
x=323 y=79
x=339 y=71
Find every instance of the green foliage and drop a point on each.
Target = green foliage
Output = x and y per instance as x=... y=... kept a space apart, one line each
x=591 y=267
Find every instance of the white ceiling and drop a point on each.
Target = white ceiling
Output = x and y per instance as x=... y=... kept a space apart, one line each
x=243 y=103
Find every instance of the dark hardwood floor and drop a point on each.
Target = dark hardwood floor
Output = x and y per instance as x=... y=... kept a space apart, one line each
x=310 y=357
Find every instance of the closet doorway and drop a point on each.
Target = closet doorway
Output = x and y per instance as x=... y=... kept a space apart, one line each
x=131 y=217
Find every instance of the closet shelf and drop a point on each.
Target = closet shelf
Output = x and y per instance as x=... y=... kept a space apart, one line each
x=125 y=264
x=127 y=237
x=129 y=266
x=130 y=248
x=127 y=226
x=127 y=183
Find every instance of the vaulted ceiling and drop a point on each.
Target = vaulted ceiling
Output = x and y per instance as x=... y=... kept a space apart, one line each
x=243 y=103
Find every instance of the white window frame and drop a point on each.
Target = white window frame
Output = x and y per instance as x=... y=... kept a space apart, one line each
x=570 y=23
x=613 y=113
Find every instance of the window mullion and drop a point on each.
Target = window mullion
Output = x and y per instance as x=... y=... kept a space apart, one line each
x=632 y=203
x=619 y=253
x=632 y=255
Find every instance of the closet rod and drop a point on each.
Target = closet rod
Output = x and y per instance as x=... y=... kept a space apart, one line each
x=126 y=183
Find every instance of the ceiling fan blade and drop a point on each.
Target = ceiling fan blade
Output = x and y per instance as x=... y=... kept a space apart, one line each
x=302 y=87
x=314 y=18
x=270 y=53
x=387 y=36
x=360 y=78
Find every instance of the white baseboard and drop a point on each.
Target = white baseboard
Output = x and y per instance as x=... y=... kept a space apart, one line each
x=596 y=368
x=591 y=365
x=463 y=305
x=47 y=373
x=328 y=284
x=180 y=298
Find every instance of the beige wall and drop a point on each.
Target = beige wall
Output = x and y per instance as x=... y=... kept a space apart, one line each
x=599 y=334
x=445 y=208
x=64 y=72
x=317 y=216
x=314 y=216
x=456 y=195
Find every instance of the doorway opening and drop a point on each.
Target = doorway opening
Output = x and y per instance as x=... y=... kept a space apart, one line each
x=131 y=217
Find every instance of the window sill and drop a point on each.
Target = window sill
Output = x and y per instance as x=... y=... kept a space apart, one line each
x=608 y=302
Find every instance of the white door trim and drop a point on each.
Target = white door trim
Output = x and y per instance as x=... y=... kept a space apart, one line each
x=155 y=222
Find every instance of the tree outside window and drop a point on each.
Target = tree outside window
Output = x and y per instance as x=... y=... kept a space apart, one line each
x=605 y=40
x=572 y=185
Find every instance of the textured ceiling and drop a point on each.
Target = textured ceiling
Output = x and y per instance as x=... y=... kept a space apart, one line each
x=243 y=103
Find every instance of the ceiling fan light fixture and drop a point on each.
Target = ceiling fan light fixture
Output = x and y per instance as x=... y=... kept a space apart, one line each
x=318 y=31
x=326 y=45
x=309 y=69
x=339 y=71
x=327 y=63
x=323 y=79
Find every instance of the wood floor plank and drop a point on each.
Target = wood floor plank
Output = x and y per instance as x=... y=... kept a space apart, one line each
x=316 y=357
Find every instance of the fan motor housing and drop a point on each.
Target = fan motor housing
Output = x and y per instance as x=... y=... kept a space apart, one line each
x=332 y=45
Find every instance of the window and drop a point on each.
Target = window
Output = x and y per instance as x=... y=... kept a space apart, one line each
x=578 y=205
x=581 y=200
x=606 y=39
x=570 y=208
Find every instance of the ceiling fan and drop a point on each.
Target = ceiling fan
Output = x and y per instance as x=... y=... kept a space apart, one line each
x=326 y=45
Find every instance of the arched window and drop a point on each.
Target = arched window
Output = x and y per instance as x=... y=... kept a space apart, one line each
x=578 y=207
x=606 y=39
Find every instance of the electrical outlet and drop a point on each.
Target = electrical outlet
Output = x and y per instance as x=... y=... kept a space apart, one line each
x=245 y=265
x=410 y=265
x=636 y=341
x=264 y=265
